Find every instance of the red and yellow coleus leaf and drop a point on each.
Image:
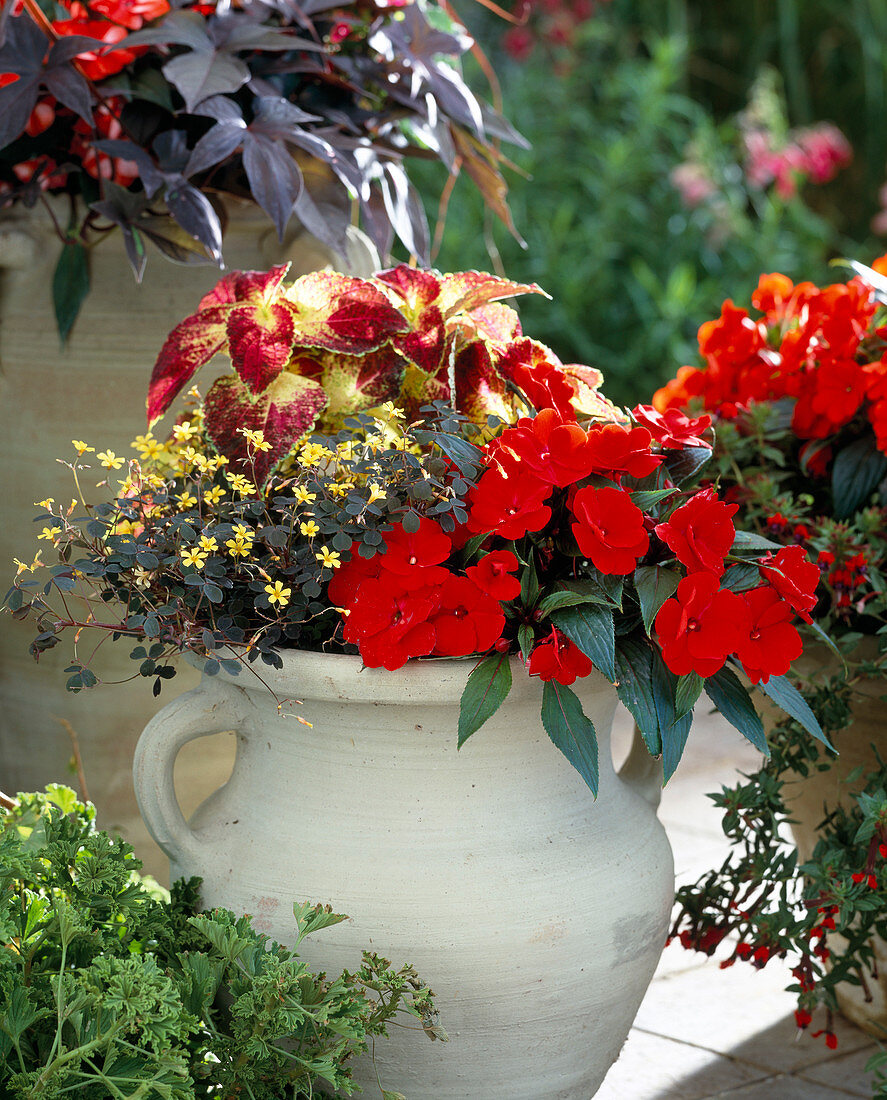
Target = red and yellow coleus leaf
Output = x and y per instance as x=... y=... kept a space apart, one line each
x=352 y=383
x=204 y=334
x=587 y=399
x=260 y=342
x=285 y=412
x=342 y=314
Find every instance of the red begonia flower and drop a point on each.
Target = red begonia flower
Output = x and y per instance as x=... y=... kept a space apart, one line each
x=700 y=625
x=508 y=504
x=700 y=532
x=794 y=577
x=98 y=64
x=672 y=428
x=467 y=620
x=389 y=624
x=615 y=451
x=557 y=658
x=130 y=13
x=554 y=450
x=492 y=574
x=609 y=529
x=771 y=642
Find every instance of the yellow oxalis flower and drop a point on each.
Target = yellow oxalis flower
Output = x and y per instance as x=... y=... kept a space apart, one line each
x=109 y=460
x=301 y=494
x=393 y=412
x=312 y=453
x=309 y=528
x=23 y=567
x=82 y=448
x=49 y=533
x=143 y=442
x=195 y=557
x=47 y=504
x=208 y=543
x=376 y=493
x=278 y=594
x=181 y=433
x=186 y=501
x=330 y=558
x=215 y=494
x=142 y=577
x=257 y=439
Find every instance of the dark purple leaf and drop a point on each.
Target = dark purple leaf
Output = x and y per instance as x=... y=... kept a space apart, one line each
x=375 y=221
x=64 y=49
x=276 y=117
x=455 y=97
x=152 y=178
x=182 y=28
x=172 y=152
x=196 y=76
x=71 y=89
x=216 y=145
x=327 y=221
x=274 y=178
x=221 y=108
x=17 y=100
x=24 y=48
x=405 y=211
x=194 y=213
x=172 y=240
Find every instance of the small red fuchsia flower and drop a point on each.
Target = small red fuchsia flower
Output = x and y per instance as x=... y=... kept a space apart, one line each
x=700 y=532
x=700 y=625
x=557 y=658
x=492 y=574
x=609 y=529
x=803 y=1018
x=770 y=642
x=672 y=428
x=616 y=450
x=507 y=504
x=831 y=1040
x=794 y=577
x=467 y=620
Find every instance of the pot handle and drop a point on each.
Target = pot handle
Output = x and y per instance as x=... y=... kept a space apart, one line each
x=642 y=771
x=201 y=712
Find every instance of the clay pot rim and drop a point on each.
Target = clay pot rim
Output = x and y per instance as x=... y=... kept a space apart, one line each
x=431 y=680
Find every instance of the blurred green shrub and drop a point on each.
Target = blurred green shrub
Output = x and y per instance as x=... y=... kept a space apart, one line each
x=633 y=266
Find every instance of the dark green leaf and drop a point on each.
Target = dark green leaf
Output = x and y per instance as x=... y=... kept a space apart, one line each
x=529 y=585
x=564 y=598
x=785 y=695
x=654 y=585
x=70 y=285
x=748 y=540
x=857 y=471
x=525 y=638
x=687 y=692
x=570 y=730
x=634 y=686
x=487 y=687
x=741 y=578
x=645 y=499
x=686 y=465
x=728 y=694
x=673 y=730
x=591 y=628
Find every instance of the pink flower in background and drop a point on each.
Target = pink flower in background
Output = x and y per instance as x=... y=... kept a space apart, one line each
x=693 y=184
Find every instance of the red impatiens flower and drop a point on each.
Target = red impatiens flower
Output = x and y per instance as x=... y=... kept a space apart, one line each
x=609 y=529
x=700 y=532
x=98 y=63
x=413 y=555
x=492 y=574
x=700 y=625
x=615 y=451
x=389 y=624
x=770 y=642
x=554 y=450
x=557 y=658
x=467 y=620
x=537 y=371
x=794 y=577
x=508 y=504
x=130 y=13
x=672 y=428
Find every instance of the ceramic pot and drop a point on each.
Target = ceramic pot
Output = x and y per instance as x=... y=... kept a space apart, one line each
x=809 y=798
x=93 y=389
x=535 y=913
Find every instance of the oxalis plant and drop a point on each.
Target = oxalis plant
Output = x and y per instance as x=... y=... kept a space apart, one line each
x=111 y=988
x=327 y=495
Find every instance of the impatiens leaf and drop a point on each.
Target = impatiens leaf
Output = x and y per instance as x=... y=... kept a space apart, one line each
x=634 y=686
x=284 y=413
x=673 y=729
x=571 y=731
x=728 y=694
x=685 y=466
x=260 y=342
x=590 y=627
x=857 y=471
x=654 y=584
x=688 y=690
x=785 y=695
x=487 y=687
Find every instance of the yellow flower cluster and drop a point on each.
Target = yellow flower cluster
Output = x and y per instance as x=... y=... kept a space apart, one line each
x=241 y=542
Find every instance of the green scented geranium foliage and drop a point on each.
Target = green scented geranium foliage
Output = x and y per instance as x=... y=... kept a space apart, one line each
x=110 y=988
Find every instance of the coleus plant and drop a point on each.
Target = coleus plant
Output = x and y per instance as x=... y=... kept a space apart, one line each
x=325 y=346
x=145 y=114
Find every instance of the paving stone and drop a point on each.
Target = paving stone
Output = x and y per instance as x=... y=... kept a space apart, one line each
x=780 y=1087
x=846 y=1071
x=653 y=1068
